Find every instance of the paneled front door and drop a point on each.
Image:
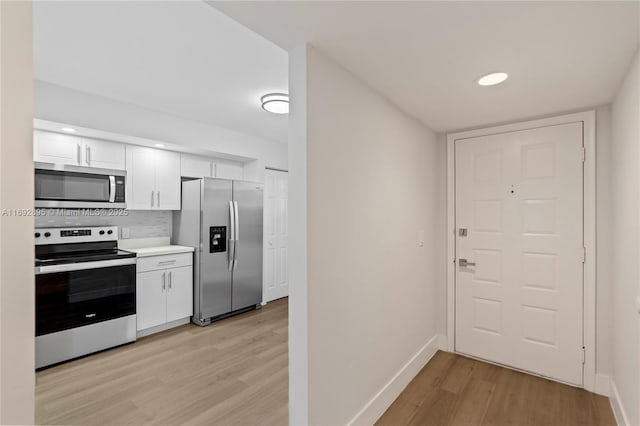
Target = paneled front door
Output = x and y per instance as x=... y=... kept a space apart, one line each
x=519 y=226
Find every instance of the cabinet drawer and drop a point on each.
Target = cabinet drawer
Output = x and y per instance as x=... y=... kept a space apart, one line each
x=152 y=263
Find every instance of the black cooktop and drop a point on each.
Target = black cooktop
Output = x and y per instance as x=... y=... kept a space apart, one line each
x=76 y=257
x=56 y=254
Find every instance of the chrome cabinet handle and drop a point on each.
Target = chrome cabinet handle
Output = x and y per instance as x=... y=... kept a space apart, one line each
x=88 y=153
x=158 y=198
x=463 y=263
x=164 y=286
x=169 y=280
x=167 y=262
x=152 y=198
x=79 y=153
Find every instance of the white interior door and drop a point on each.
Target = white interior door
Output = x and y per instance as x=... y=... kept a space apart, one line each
x=519 y=302
x=276 y=191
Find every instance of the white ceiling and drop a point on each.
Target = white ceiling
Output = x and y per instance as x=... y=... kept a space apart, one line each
x=426 y=56
x=183 y=58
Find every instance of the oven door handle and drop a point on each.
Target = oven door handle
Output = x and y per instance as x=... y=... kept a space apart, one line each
x=67 y=267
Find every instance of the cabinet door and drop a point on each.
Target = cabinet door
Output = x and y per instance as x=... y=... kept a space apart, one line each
x=151 y=298
x=195 y=167
x=50 y=147
x=141 y=178
x=167 y=180
x=104 y=154
x=228 y=169
x=179 y=293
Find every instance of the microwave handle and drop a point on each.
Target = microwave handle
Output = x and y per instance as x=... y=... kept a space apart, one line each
x=112 y=189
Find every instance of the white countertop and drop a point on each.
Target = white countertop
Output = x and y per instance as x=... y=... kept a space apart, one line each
x=144 y=247
x=161 y=250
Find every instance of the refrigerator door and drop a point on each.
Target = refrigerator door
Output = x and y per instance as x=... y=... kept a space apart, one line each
x=215 y=268
x=247 y=269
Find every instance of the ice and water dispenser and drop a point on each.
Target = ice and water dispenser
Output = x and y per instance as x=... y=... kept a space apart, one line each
x=217 y=239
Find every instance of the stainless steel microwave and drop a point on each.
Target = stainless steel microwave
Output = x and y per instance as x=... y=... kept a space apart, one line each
x=63 y=186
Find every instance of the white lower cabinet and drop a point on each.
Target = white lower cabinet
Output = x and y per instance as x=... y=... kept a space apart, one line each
x=179 y=293
x=164 y=291
x=151 y=299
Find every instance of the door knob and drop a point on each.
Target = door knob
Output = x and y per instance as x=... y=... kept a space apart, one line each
x=463 y=263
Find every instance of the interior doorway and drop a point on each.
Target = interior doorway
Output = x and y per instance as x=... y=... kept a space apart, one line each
x=276 y=241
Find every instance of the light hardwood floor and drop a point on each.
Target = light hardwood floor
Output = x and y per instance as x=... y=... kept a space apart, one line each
x=233 y=372
x=454 y=390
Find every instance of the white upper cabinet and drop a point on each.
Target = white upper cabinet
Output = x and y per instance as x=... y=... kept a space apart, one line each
x=153 y=179
x=228 y=169
x=104 y=154
x=167 y=180
x=196 y=167
x=50 y=147
x=141 y=178
x=58 y=148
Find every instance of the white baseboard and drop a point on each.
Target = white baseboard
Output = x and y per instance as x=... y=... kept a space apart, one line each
x=376 y=407
x=163 y=327
x=602 y=386
x=443 y=342
x=617 y=407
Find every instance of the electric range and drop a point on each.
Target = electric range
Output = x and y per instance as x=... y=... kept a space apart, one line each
x=85 y=293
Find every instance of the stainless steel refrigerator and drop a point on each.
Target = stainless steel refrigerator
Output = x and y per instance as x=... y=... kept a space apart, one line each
x=222 y=220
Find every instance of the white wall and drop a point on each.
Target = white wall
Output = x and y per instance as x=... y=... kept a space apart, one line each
x=17 y=305
x=625 y=180
x=372 y=177
x=61 y=104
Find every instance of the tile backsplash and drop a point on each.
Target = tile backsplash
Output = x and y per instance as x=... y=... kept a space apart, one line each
x=141 y=223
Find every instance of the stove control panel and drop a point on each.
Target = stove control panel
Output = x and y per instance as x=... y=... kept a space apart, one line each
x=75 y=235
x=75 y=232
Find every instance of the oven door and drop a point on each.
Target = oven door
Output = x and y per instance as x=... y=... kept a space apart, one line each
x=78 y=187
x=74 y=295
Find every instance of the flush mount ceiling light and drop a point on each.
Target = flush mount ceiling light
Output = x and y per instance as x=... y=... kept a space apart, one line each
x=159 y=145
x=277 y=103
x=68 y=130
x=493 y=78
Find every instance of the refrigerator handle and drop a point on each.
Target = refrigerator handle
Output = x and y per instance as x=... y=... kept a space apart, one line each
x=232 y=236
x=237 y=236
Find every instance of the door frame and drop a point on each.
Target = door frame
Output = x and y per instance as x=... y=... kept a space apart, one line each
x=588 y=119
x=264 y=232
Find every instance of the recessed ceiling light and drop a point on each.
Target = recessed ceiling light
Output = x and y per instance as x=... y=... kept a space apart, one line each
x=160 y=145
x=68 y=129
x=277 y=103
x=493 y=79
